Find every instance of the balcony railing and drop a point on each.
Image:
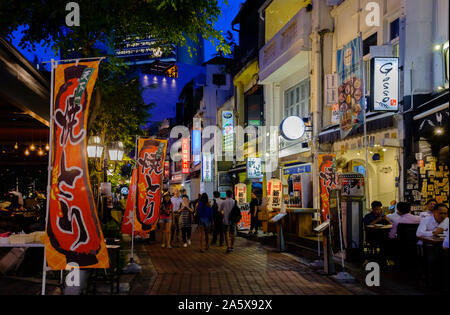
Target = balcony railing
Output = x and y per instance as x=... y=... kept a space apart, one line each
x=290 y=40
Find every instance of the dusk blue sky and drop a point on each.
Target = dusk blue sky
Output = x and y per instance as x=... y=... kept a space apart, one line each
x=166 y=94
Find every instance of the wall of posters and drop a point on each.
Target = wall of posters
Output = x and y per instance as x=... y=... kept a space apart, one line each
x=351 y=88
x=73 y=233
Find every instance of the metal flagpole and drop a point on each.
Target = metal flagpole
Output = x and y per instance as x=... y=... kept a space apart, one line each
x=132 y=267
x=70 y=60
x=366 y=166
x=49 y=181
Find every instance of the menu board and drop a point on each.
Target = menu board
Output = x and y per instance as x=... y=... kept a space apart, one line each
x=274 y=193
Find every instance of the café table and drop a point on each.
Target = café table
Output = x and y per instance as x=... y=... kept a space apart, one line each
x=434 y=257
x=377 y=237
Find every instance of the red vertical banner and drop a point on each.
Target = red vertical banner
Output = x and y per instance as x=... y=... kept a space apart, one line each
x=185 y=155
x=327 y=182
x=127 y=221
x=73 y=233
x=149 y=176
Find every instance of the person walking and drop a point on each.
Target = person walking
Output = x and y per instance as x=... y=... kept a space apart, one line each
x=254 y=205
x=186 y=214
x=229 y=228
x=165 y=218
x=176 y=201
x=205 y=221
x=218 y=219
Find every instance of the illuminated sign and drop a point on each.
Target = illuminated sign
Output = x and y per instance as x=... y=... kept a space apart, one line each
x=185 y=155
x=196 y=146
x=227 y=130
x=384 y=89
x=292 y=128
x=254 y=168
x=207 y=167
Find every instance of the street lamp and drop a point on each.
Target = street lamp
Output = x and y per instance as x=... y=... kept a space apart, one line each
x=94 y=148
x=116 y=151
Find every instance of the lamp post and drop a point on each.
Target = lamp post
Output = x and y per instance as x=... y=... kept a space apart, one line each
x=95 y=150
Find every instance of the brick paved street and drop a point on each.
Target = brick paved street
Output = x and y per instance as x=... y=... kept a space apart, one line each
x=250 y=270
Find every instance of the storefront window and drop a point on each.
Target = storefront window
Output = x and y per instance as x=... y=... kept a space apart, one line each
x=297 y=100
x=254 y=107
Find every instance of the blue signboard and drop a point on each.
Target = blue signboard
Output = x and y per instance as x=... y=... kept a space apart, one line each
x=196 y=146
x=297 y=169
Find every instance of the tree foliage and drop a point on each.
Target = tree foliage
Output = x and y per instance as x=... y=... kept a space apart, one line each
x=111 y=21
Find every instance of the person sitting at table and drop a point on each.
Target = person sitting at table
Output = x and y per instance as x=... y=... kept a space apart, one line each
x=435 y=224
x=429 y=206
x=376 y=216
x=406 y=217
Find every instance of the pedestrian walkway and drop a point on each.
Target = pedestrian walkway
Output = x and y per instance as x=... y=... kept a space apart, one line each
x=250 y=269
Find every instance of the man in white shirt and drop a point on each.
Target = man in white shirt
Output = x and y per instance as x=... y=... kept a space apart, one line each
x=405 y=217
x=176 y=202
x=435 y=224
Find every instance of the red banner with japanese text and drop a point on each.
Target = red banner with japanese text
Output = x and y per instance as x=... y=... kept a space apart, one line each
x=73 y=234
x=327 y=182
x=148 y=174
x=185 y=155
x=127 y=221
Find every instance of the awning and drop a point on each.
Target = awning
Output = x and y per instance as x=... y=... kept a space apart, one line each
x=379 y=122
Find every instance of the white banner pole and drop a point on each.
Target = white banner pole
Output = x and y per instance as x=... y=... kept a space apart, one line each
x=132 y=267
x=49 y=180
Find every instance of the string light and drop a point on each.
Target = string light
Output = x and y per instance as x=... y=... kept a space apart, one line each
x=32 y=147
x=16 y=146
x=27 y=152
x=47 y=147
x=40 y=152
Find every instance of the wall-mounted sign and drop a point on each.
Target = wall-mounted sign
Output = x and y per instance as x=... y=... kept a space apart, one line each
x=384 y=84
x=207 y=167
x=298 y=169
x=185 y=155
x=254 y=168
x=351 y=88
x=335 y=114
x=227 y=130
x=177 y=177
x=292 y=128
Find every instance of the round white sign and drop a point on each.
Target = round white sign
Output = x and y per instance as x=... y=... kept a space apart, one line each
x=292 y=128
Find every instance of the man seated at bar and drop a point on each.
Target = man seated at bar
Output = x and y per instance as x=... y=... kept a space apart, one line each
x=376 y=216
x=435 y=224
x=406 y=217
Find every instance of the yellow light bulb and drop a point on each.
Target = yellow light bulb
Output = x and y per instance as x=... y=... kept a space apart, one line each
x=47 y=147
x=40 y=152
x=32 y=147
x=27 y=152
x=16 y=146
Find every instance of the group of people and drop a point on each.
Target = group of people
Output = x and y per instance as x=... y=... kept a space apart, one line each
x=433 y=221
x=218 y=216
